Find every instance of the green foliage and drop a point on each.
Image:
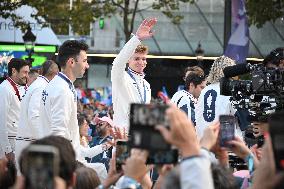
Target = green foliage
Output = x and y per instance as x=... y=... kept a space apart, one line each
x=262 y=11
x=170 y=9
x=57 y=13
x=7 y=11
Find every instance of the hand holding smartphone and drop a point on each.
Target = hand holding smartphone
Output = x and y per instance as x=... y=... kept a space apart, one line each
x=40 y=166
x=227 y=129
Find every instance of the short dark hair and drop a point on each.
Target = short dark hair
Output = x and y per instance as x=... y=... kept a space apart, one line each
x=8 y=178
x=66 y=154
x=274 y=57
x=86 y=178
x=194 y=78
x=46 y=67
x=81 y=119
x=70 y=49
x=16 y=63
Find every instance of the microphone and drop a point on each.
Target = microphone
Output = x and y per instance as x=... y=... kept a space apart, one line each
x=239 y=69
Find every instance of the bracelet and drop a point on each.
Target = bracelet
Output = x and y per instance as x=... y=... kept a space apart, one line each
x=249 y=160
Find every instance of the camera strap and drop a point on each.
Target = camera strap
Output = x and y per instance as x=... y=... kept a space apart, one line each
x=14 y=85
x=143 y=101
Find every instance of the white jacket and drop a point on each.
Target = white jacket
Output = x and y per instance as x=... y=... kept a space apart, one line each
x=30 y=108
x=58 y=111
x=29 y=126
x=211 y=104
x=124 y=88
x=9 y=117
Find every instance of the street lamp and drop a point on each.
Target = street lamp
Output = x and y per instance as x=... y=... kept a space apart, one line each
x=199 y=53
x=29 y=40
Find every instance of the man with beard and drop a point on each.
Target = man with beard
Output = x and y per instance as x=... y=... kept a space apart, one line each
x=103 y=129
x=18 y=71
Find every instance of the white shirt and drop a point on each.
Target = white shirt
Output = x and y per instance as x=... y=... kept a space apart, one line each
x=124 y=87
x=58 y=110
x=9 y=116
x=186 y=102
x=29 y=125
x=211 y=104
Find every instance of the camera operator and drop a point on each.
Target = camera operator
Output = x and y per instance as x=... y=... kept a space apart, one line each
x=274 y=60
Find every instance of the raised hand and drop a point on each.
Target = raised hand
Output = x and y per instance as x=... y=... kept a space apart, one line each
x=145 y=29
x=210 y=136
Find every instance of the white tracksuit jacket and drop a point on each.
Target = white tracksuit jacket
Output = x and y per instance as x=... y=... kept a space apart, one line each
x=9 y=117
x=58 y=111
x=29 y=126
x=124 y=88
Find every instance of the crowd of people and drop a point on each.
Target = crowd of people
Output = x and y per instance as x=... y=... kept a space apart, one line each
x=47 y=110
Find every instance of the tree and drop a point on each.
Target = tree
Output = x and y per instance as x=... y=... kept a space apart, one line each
x=129 y=8
x=262 y=11
x=7 y=8
x=57 y=13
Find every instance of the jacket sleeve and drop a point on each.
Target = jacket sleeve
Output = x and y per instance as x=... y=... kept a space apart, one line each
x=34 y=109
x=90 y=152
x=196 y=173
x=5 y=106
x=60 y=113
x=119 y=63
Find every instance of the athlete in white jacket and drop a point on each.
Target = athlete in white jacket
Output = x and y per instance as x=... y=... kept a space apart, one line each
x=130 y=86
x=58 y=109
x=18 y=70
x=29 y=126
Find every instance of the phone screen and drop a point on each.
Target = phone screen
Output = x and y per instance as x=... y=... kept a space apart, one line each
x=163 y=157
x=121 y=153
x=227 y=129
x=276 y=131
x=143 y=119
x=41 y=167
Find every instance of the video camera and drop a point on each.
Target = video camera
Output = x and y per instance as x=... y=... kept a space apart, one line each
x=261 y=95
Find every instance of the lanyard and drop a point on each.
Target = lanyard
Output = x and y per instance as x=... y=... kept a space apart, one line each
x=15 y=87
x=71 y=86
x=143 y=101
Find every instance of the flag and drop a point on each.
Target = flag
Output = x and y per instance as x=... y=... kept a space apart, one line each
x=163 y=95
x=238 y=44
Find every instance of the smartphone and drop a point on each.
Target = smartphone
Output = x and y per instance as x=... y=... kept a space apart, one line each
x=163 y=157
x=227 y=129
x=40 y=166
x=121 y=154
x=143 y=119
x=276 y=130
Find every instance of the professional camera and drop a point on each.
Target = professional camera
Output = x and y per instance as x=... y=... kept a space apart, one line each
x=261 y=95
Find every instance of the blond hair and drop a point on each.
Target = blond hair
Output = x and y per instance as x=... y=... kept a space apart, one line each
x=216 y=71
x=141 y=49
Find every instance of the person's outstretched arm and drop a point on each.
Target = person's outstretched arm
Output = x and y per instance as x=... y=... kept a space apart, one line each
x=143 y=32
